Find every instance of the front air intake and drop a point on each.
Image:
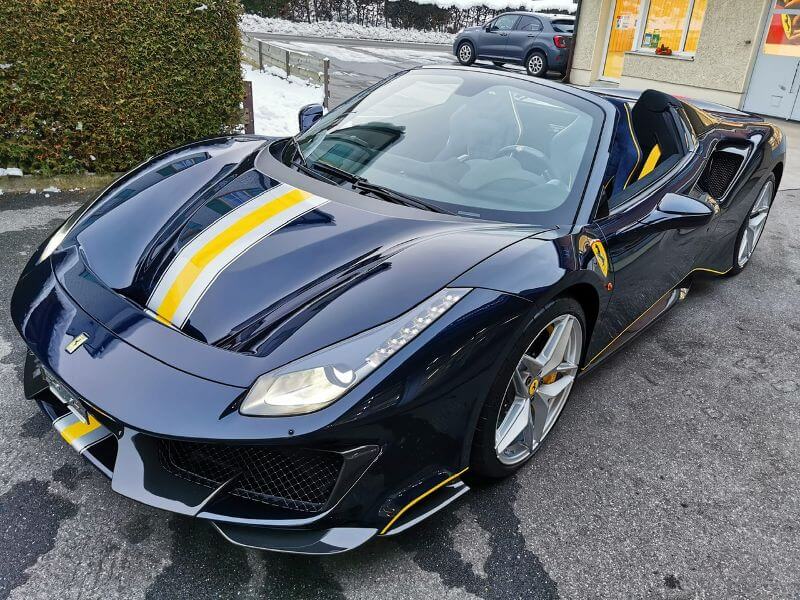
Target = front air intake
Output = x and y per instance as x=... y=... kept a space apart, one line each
x=301 y=480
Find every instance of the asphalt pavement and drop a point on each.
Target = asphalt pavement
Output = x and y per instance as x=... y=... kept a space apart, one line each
x=673 y=473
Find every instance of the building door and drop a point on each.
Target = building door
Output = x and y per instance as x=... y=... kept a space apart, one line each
x=775 y=82
x=622 y=30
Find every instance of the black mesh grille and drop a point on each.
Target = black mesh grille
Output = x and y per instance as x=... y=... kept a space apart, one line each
x=720 y=173
x=298 y=479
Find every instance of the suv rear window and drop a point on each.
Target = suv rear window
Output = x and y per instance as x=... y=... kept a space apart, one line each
x=563 y=25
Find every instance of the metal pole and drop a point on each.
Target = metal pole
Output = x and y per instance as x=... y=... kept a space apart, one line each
x=326 y=82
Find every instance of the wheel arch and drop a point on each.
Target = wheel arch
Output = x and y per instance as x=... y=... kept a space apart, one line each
x=777 y=170
x=587 y=296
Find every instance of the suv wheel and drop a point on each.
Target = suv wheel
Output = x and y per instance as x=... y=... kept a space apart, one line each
x=466 y=53
x=536 y=65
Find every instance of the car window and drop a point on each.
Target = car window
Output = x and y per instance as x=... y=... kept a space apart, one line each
x=479 y=145
x=529 y=24
x=563 y=25
x=505 y=22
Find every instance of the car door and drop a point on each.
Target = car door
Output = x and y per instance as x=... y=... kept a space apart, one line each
x=649 y=252
x=492 y=40
x=521 y=38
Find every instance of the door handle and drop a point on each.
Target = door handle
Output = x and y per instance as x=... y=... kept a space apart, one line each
x=531 y=35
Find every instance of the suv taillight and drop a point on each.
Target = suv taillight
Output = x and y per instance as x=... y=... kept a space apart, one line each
x=560 y=41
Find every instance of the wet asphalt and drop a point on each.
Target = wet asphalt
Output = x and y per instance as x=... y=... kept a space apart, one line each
x=673 y=473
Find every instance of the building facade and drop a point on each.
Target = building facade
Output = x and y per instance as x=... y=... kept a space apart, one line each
x=741 y=53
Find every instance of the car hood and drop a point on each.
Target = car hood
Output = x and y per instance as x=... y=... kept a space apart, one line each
x=203 y=244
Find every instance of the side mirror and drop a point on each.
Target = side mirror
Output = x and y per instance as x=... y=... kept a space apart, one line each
x=488 y=27
x=680 y=212
x=308 y=115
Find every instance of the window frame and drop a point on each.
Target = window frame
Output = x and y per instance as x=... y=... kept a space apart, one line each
x=641 y=26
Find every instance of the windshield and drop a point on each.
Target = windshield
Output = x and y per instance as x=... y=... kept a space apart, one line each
x=475 y=144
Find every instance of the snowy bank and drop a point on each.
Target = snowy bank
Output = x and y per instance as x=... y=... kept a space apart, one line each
x=335 y=29
x=565 y=6
x=277 y=99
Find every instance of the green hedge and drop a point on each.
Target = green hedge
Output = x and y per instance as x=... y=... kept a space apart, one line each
x=117 y=80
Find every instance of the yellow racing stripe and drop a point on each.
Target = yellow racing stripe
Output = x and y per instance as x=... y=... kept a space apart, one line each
x=183 y=282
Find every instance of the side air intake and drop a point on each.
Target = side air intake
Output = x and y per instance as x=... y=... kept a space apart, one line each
x=721 y=172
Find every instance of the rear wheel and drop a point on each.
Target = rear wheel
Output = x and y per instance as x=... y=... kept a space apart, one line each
x=753 y=227
x=536 y=64
x=530 y=391
x=465 y=53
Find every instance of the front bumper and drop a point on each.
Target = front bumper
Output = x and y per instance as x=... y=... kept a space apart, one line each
x=400 y=440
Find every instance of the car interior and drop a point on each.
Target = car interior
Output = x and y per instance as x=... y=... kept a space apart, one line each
x=647 y=143
x=501 y=151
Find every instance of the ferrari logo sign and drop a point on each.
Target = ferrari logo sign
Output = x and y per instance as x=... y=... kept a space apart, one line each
x=77 y=342
x=601 y=256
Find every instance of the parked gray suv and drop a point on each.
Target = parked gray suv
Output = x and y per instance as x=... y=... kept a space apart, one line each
x=540 y=42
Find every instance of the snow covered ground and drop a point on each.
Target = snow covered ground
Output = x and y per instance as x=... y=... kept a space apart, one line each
x=277 y=99
x=334 y=29
x=567 y=6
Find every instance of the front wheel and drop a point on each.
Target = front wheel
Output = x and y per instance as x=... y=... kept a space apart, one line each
x=536 y=65
x=465 y=53
x=530 y=390
x=753 y=227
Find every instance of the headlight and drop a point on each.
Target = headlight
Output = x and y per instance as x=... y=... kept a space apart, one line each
x=320 y=379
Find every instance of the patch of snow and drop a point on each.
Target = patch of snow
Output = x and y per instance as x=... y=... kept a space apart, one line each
x=328 y=50
x=92 y=156
x=277 y=99
x=1 y=191
x=14 y=172
x=567 y=6
x=336 y=29
x=6 y=65
x=52 y=189
x=33 y=191
x=47 y=195
x=201 y=8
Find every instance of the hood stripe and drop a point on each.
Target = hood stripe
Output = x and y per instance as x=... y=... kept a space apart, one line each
x=201 y=261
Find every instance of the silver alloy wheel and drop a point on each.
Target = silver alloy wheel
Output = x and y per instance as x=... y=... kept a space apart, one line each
x=539 y=386
x=535 y=63
x=755 y=224
x=465 y=53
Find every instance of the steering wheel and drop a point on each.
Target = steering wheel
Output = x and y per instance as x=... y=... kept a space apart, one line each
x=530 y=158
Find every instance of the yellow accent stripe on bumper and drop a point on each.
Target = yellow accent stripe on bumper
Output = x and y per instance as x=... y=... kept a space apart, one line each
x=421 y=497
x=79 y=429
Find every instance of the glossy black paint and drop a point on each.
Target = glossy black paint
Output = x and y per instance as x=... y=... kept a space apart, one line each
x=409 y=424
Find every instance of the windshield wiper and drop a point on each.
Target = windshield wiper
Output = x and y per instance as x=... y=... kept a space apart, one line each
x=391 y=195
x=336 y=171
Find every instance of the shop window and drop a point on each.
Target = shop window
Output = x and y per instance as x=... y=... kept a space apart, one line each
x=675 y=24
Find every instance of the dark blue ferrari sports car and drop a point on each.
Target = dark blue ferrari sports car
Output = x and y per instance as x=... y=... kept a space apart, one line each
x=314 y=340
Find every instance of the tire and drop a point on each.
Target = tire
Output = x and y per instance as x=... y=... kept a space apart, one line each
x=498 y=63
x=486 y=461
x=466 y=53
x=536 y=64
x=748 y=235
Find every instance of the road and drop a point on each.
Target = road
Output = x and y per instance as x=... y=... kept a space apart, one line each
x=673 y=473
x=357 y=64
